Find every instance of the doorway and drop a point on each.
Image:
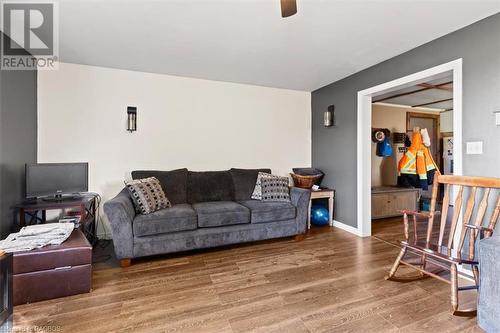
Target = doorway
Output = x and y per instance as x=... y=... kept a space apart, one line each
x=398 y=113
x=431 y=123
x=364 y=133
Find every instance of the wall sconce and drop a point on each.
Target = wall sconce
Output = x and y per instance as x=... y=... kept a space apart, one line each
x=329 y=117
x=131 y=118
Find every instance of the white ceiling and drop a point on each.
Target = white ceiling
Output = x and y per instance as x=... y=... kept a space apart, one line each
x=247 y=41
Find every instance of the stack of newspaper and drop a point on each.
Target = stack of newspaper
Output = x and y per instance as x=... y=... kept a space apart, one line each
x=71 y=219
x=37 y=236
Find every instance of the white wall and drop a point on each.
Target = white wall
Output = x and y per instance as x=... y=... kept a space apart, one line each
x=182 y=122
x=385 y=169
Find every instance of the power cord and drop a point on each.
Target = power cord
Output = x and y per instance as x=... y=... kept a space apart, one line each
x=102 y=243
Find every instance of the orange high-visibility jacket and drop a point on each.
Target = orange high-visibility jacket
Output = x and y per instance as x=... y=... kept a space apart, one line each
x=418 y=159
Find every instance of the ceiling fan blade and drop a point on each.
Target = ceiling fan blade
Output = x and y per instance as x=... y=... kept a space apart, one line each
x=288 y=8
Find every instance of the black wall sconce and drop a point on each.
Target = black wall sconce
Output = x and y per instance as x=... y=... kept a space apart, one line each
x=329 y=117
x=131 y=118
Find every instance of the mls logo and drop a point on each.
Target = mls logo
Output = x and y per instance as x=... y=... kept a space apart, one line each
x=30 y=34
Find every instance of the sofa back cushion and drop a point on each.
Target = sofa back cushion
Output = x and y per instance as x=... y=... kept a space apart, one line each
x=173 y=183
x=244 y=182
x=204 y=186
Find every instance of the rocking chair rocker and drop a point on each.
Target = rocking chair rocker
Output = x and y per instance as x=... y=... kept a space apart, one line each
x=449 y=256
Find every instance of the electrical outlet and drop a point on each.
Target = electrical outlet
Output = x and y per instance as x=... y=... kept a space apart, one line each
x=474 y=148
x=497 y=118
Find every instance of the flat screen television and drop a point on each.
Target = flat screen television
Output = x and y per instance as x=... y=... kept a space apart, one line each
x=56 y=180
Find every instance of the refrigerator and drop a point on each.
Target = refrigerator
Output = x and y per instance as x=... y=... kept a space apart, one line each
x=447 y=155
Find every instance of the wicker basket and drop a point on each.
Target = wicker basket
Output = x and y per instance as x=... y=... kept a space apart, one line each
x=306 y=182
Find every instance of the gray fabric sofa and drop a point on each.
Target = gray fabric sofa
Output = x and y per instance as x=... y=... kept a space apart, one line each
x=209 y=209
x=489 y=286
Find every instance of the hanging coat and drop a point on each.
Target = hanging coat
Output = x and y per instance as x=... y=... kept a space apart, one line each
x=384 y=148
x=417 y=166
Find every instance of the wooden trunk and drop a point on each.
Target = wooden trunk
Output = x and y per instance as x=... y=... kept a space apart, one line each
x=390 y=201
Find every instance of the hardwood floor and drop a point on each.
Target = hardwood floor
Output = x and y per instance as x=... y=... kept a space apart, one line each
x=330 y=282
x=391 y=229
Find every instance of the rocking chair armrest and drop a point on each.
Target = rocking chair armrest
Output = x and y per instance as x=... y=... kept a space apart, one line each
x=482 y=230
x=418 y=214
x=478 y=227
x=415 y=214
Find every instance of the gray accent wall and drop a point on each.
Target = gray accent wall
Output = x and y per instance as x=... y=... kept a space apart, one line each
x=18 y=139
x=334 y=149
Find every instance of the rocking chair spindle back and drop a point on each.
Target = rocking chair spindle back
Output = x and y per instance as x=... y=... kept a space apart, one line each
x=450 y=255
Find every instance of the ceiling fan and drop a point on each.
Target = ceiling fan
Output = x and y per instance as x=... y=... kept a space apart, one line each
x=288 y=7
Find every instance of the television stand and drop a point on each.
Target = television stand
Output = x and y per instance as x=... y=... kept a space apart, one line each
x=59 y=198
x=86 y=204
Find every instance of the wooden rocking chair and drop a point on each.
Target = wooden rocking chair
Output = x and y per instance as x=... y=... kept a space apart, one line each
x=446 y=255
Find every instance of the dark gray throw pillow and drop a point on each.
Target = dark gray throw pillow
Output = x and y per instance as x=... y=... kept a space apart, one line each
x=275 y=189
x=147 y=195
x=244 y=182
x=173 y=183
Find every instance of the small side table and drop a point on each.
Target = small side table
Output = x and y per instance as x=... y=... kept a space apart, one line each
x=86 y=205
x=324 y=193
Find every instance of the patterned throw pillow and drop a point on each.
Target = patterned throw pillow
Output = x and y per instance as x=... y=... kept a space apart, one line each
x=275 y=189
x=147 y=195
x=257 y=192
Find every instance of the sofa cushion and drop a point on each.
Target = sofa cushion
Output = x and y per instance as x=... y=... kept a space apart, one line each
x=219 y=213
x=180 y=217
x=261 y=212
x=206 y=186
x=244 y=182
x=173 y=183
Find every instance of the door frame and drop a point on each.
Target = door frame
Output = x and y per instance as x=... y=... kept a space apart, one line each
x=437 y=126
x=364 y=113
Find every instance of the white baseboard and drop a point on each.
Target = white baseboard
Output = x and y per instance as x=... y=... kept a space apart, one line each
x=346 y=227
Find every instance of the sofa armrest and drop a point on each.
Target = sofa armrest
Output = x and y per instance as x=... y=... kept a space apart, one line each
x=300 y=199
x=121 y=213
x=489 y=288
